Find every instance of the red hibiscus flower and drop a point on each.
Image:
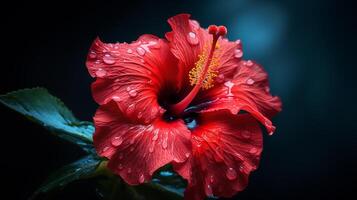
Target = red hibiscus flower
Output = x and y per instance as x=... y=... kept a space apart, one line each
x=178 y=101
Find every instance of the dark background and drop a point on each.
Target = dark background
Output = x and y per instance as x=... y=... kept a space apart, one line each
x=307 y=47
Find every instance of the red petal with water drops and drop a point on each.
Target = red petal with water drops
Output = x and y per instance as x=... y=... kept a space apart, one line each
x=133 y=74
x=188 y=40
x=225 y=149
x=135 y=151
x=248 y=90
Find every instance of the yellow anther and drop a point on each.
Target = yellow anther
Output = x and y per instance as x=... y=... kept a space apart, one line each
x=197 y=71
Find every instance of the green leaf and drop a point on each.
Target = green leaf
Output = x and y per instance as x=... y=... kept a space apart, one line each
x=40 y=106
x=83 y=168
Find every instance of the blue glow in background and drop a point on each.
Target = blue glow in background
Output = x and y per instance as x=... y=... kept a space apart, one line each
x=307 y=48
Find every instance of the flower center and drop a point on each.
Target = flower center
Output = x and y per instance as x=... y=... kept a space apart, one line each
x=203 y=73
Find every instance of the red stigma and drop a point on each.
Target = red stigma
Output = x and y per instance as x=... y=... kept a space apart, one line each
x=222 y=31
x=212 y=29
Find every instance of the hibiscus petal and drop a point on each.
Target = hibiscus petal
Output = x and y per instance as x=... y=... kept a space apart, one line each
x=248 y=90
x=133 y=74
x=226 y=148
x=188 y=40
x=135 y=151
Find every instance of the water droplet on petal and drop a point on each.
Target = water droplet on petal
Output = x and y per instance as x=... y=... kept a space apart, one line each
x=211 y=178
x=132 y=149
x=249 y=63
x=116 y=98
x=154 y=44
x=246 y=134
x=133 y=93
x=238 y=53
x=209 y=190
x=140 y=51
x=253 y=150
x=220 y=78
x=101 y=73
x=92 y=55
x=120 y=166
x=105 y=149
x=237 y=41
x=229 y=85
x=142 y=60
x=250 y=81
x=151 y=148
x=192 y=38
x=195 y=25
x=241 y=168
x=129 y=170
x=129 y=51
x=187 y=155
x=231 y=173
x=132 y=140
x=117 y=140
x=108 y=59
x=141 y=178
x=140 y=115
x=130 y=109
x=164 y=141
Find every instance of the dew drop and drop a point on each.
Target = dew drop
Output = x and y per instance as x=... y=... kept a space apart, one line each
x=129 y=170
x=140 y=115
x=142 y=60
x=253 y=150
x=141 y=178
x=133 y=93
x=117 y=140
x=130 y=109
x=241 y=168
x=154 y=44
x=116 y=98
x=140 y=51
x=231 y=173
x=164 y=141
x=120 y=167
x=249 y=63
x=237 y=41
x=195 y=25
x=229 y=85
x=187 y=155
x=105 y=149
x=192 y=38
x=250 y=81
x=131 y=149
x=211 y=178
x=92 y=55
x=156 y=135
x=108 y=59
x=129 y=51
x=151 y=148
x=238 y=53
x=209 y=190
x=246 y=134
x=220 y=78
x=101 y=73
